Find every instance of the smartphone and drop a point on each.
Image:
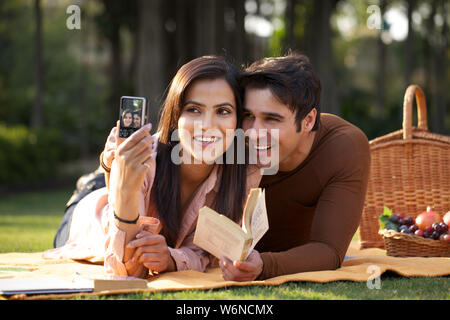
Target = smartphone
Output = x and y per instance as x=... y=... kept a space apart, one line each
x=133 y=115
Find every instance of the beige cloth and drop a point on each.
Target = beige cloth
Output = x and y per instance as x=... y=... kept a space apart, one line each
x=357 y=268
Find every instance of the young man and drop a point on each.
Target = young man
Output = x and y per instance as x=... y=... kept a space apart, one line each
x=315 y=200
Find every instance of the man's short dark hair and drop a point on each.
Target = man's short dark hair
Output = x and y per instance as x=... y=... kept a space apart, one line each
x=291 y=79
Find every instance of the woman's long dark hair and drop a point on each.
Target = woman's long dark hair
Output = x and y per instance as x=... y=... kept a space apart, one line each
x=166 y=189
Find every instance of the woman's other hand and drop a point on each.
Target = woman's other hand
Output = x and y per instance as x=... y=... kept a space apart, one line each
x=152 y=252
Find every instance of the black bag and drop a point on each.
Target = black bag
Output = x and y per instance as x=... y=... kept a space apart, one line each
x=85 y=185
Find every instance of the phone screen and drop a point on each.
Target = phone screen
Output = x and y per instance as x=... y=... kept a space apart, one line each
x=132 y=115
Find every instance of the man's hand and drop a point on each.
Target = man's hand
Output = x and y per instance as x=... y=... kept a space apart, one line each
x=247 y=270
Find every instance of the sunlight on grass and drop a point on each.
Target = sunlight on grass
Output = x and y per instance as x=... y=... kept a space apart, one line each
x=28 y=221
x=32 y=233
x=393 y=288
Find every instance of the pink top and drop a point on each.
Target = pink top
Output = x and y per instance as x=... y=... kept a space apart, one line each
x=95 y=237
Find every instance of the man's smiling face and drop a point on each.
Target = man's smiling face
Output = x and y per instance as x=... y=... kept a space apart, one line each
x=264 y=111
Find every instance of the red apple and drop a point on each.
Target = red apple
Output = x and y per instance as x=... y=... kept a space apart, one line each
x=446 y=238
x=447 y=218
x=427 y=218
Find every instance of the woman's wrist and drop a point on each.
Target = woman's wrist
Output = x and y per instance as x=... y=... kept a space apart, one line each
x=134 y=221
x=172 y=266
x=103 y=164
x=125 y=207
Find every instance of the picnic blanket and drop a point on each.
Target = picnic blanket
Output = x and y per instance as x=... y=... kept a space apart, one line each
x=359 y=266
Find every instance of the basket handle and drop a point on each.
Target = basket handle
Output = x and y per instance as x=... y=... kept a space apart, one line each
x=414 y=90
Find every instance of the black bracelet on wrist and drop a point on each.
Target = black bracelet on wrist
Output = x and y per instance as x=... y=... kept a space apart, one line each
x=126 y=221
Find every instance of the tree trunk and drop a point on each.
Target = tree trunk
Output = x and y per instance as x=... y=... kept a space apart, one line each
x=36 y=120
x=320 y=50
x=151 y=59
x=115 y=76
x=239 y=54
x=428 y=54
x=83 y=106
x=222 y=38
x=409 y=46
x=182 y=31
x=289 y=40
x=381 y=76
x=439 y=62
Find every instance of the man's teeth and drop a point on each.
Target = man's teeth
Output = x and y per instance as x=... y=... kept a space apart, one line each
x=262 y=147
x=205 y=139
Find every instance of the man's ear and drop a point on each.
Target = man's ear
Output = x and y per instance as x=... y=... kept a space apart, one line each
x=309 y=121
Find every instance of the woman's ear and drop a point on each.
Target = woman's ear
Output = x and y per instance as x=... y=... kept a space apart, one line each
x=309 y=121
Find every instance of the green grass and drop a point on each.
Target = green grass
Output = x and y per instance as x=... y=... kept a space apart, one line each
x=28 y=222
x=391 y=288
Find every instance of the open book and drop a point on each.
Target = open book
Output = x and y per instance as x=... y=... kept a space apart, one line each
x=32 y=286
x=221 y=236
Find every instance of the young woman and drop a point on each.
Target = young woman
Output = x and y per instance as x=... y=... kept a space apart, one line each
x=157 y=184
x=127 y=118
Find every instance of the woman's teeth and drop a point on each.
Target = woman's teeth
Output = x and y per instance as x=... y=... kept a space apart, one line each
x=205 y=139
x=262 y=147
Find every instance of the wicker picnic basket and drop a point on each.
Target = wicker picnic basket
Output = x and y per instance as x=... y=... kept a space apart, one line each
x=410 y=170
x=399 y=244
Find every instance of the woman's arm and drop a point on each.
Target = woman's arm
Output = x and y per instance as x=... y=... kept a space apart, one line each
x=133 y=158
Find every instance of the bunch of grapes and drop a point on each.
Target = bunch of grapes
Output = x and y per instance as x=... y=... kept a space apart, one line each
x=437 y=231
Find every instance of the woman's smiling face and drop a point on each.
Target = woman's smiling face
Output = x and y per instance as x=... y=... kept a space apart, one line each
x=127 y=119
x=208 y=119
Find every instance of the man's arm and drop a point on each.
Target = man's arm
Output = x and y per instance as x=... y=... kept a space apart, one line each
x=335 y=221
x=336 y=217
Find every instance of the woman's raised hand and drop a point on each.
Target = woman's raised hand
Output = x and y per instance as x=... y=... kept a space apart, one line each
x=134 y=156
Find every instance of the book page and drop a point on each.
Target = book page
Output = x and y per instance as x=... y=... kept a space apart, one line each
x=218 y=237
x=43 y=286
x=249 y=208
x=260 y=222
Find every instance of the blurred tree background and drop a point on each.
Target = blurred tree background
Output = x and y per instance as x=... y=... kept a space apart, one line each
x=60 y=86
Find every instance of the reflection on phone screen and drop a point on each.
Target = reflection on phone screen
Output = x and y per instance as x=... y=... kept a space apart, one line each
x=131 y=114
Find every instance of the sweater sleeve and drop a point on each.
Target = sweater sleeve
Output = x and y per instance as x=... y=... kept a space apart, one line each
x=189 y=256
x=336 y=217
x=115 y=244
